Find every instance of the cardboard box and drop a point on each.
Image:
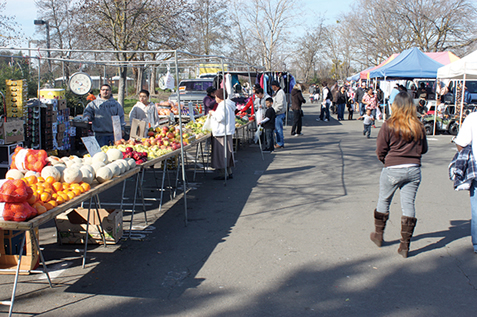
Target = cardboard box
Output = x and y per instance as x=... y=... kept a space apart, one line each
x=11 y=131
x=52 y=93
x=71 y=226
x=62 y=104
x=10 y=249
x=19 y=82
x=60 y=128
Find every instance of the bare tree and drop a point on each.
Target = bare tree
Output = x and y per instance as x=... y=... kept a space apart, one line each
x=307 y=51
x=10 y=32
x=267 y=24
x=379 y=28
x=208 y=27
x=126 y=25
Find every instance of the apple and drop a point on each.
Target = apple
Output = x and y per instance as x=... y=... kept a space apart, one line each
x=146 y=143
x=166 y=142
x=170 y=135
x=153 y=142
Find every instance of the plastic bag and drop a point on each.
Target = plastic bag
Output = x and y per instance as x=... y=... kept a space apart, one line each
x=18 y=212
x=207 y=124
x=14 y=191
x=257 y=134
x=28 y=160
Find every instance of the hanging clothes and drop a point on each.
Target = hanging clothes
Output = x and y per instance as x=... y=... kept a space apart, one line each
x=228 y=84
x=292 y=82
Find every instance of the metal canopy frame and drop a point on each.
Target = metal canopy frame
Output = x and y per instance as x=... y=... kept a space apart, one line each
x=170 y=57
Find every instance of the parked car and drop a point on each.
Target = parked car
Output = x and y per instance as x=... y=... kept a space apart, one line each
x=192 y=90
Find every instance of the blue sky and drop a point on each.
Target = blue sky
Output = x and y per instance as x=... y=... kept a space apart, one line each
x=25 y=12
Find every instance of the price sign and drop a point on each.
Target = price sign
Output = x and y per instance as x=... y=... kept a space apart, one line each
x=91 y=145
x=118 y=133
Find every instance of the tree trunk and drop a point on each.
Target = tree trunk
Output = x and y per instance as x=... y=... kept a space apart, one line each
x=140 y=79
x=152 y=81
x=123 y=72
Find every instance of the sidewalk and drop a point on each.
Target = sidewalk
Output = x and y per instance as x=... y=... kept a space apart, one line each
x=288 y=236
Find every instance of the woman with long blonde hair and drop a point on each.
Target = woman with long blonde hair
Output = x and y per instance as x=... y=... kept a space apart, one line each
x=400 y=144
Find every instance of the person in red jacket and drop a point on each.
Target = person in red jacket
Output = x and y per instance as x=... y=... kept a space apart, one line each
x=400 y=144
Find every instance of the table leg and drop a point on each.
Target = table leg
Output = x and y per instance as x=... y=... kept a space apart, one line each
x=100 y=226
x=37 y=243
x=162 y=186
x=142 y=195
x=17 y=273
x=134 y=203
x=87 y=233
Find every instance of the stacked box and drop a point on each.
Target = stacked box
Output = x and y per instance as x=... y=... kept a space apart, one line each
x=61 y=141
x=16 y=93
x=32 y=124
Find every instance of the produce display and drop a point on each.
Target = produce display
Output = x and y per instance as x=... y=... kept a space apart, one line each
x=165 y=108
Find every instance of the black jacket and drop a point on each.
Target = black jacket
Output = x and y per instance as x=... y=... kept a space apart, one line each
x=358 y=97
x=341 y=98
x=297 y=99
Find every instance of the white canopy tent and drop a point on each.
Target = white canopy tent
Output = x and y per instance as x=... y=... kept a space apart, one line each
x=463 y=69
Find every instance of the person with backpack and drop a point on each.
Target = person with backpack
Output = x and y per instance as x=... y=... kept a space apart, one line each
x=326 y=103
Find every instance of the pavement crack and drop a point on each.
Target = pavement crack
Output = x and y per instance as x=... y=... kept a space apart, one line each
x=458 y=263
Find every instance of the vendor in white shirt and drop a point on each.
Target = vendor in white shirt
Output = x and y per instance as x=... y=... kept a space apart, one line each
x=145 y=111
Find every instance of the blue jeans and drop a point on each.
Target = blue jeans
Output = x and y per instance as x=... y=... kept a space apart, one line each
x=341 y=108
x=325 y=110
x=367 y=130
x=279 y=121
x=473 y=207
x=268 y=140
x=362 y=108
x=407 y=179
x=105 y=139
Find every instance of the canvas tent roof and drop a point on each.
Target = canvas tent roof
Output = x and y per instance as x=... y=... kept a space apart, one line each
x=411 y=63
x=445 y=58
x=456 y=70
x=365 y=73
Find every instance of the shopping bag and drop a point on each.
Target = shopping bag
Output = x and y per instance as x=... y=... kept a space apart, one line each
x=257 y=134
x=207 y=127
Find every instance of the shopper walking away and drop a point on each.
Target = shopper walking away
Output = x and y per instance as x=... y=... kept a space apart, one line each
x=341 y=100
x=400 y=145
x=326 y=103
x=280 y=106
x=223 y=127
x=297 y=100
x=468 y=136
x=268 y=124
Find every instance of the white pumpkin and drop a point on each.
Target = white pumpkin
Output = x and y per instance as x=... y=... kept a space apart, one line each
x=76 y=159
x=65 y=159
x=14 y=173
x=88 y=174
x=72 y=175
x=100 y=157
x=70 y=163
x=125 y=165
x=32 y=173
x=104 y=174
x=114 y=155
x=54 y=160
x=131 y=162
x=97 y=165
x=87 y=160
x=76 y=165
x=115 y=169
x=48 y=171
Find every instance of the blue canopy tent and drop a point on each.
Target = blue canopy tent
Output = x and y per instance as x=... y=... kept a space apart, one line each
x=411 y=63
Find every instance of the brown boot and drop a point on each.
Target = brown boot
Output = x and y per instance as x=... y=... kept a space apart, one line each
x=379 y=223
x=407 y=229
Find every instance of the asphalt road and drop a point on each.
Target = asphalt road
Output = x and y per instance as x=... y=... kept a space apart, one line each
x=288 y=236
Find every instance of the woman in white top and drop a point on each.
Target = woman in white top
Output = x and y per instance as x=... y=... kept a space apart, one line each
x=223 y=127
x=145 y=111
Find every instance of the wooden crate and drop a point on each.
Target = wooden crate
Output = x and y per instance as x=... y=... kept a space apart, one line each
x=12 y=240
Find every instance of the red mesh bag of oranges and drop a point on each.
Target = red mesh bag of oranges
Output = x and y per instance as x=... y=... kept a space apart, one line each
x=18 y=212
x=14 y=191
x=29 y=160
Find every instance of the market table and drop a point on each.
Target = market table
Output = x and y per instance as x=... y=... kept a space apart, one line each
x=31 y=225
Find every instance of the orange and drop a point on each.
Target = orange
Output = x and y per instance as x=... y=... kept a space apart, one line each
x=41 y=179
x=41 y=209
x=57 y=186
x=60 y=200
x=34 y=187
x=32 y=179
x=53 y=203
x=32 y=199
x=45 y=196
x=71 y=194
x=50 y=179
x=77 y=191
x=66 y=185
x=64 y=196
x=48 y=206
x=86 y=186
x=54 y=195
